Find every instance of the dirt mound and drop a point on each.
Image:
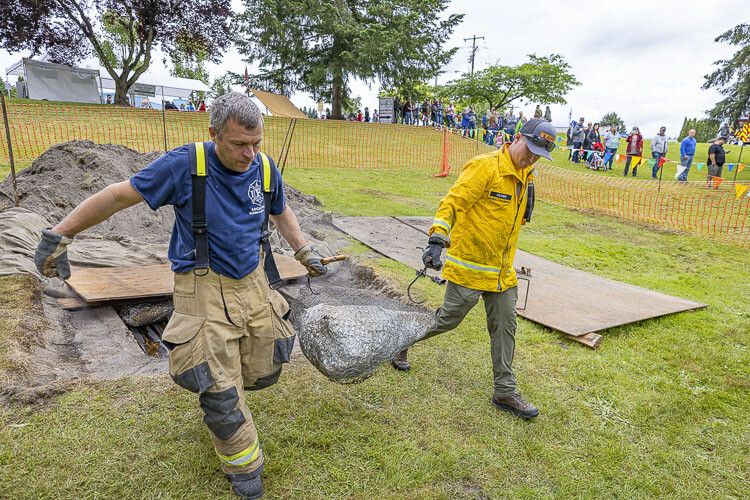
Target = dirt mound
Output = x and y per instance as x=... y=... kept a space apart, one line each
x=68 y=173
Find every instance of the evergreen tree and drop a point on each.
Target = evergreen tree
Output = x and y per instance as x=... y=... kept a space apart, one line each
x=318 y=45
x=613 y=118
x=732 y=79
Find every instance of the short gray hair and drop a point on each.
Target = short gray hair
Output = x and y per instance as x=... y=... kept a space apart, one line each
x=237 y=106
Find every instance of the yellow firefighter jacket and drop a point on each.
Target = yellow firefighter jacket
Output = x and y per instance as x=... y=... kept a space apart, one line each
x=481 y=216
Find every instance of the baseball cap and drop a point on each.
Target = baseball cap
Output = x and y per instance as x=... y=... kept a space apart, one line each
x=540 y=137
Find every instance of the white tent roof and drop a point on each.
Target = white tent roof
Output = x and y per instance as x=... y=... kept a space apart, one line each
x=167 y=85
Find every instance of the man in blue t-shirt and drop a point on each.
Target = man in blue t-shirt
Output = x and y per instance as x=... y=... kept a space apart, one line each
x=229 y=331
x=687 y=152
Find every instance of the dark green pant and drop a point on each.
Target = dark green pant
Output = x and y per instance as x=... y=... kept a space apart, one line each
x=501 y=324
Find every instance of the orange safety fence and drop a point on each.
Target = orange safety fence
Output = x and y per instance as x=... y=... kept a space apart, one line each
x=686 y=207
x=706 y=209
x=35 y=126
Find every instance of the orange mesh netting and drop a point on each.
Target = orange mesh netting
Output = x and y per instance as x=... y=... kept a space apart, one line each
x=686 y=207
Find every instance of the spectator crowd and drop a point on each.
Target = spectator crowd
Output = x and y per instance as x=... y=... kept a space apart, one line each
x=598 y=151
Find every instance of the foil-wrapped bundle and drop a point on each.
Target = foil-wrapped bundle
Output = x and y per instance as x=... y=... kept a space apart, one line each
x=347 y=343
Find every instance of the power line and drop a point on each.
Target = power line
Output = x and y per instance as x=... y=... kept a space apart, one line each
x=473 y=50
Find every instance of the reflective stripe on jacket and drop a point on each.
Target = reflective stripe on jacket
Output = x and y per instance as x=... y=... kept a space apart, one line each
x=481 y=216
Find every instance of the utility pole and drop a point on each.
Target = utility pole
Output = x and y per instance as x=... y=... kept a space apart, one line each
x=473 y=50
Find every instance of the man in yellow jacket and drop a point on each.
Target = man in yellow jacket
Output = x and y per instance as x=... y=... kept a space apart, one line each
x=478 y=222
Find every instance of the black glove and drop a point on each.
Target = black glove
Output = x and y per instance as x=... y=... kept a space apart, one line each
x=431 y=255
x=51 y=256
x=309 y=258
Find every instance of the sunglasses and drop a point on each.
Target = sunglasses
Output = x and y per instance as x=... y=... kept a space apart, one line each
x=540 y=141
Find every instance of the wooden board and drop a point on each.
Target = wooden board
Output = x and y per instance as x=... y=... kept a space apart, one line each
x=106 y=284
x=571 y=301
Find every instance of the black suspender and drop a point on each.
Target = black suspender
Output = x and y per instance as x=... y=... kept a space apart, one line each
x=198 y=171
x=199 y=225
x=269 y=264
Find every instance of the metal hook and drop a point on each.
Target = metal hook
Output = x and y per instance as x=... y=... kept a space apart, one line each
x=310 y=287
x=421 y=273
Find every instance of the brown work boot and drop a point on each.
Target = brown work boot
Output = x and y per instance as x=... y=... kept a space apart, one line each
x=515 y=405
x=400 y=362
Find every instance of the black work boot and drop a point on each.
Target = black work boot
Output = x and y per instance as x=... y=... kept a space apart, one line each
x=515 y=405
x=247 y=485
x=400 y=362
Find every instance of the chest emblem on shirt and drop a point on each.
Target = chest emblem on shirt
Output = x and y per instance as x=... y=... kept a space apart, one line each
x=254 y=193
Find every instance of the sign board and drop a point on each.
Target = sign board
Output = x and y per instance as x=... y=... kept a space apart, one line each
x=385 y=110
x=143 y=89
x=320 y=107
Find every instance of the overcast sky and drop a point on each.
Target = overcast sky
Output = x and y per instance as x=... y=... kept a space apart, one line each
x=644 y=60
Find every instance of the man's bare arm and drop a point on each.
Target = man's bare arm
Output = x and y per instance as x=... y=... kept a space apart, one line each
x=287 y=224
x=99 y=207
x=713 y=158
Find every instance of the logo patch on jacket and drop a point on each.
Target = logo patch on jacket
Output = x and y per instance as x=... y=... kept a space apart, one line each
x=505 y=198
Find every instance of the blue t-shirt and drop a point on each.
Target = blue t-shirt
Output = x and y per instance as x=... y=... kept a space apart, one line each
x=234 y=209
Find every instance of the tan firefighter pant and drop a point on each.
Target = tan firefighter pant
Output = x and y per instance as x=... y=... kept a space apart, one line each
x=225 y=336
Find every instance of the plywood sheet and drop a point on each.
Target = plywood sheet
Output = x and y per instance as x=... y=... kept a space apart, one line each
x=574 y=302
x=104 y=284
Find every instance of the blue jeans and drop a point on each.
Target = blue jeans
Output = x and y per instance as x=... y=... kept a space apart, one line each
x=439 y=118
x=655 y=168
x=407 y=118
x=576 y=151
x=611 y=158
x=686 y=162
x=449 y=121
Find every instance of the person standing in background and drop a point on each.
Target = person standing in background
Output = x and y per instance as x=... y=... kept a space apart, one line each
x=548 y=114
x=577 y=135
x=635 y=148
x=521 y=122
x=659 y=146
x=407 y=109
x=716 y=157
x=538 y=112
x=612 y=142
x=586 y=142
x=687 y=152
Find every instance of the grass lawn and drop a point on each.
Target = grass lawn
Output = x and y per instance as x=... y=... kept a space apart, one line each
x=661 y=409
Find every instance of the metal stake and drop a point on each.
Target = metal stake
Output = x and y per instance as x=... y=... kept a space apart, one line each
x=10 y=147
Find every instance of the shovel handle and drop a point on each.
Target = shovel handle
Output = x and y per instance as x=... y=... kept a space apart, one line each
x=335 y=258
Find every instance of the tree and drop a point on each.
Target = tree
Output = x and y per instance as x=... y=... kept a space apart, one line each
x=222 y=85
x=318 y=45
x=613 y=118
x=732 y=79
x=543 y=79
x=120 y=33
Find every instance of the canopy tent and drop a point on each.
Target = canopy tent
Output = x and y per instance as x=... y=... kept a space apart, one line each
x=279 y=105
x=157 y=85
x=57 y=82
x=63 y=83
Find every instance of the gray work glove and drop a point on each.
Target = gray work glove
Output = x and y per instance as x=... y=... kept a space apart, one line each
x=309 y=258
x=51 y=256
x=431 y=255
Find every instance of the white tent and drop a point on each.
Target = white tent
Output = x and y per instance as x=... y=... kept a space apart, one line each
x=157 y=85
x=57 y=82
